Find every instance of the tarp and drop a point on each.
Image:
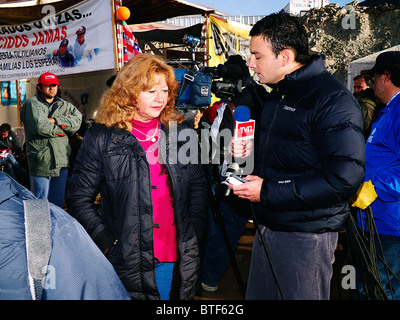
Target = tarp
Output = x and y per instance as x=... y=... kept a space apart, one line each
x=51 y=45
x=164 y=32
x=85 y=89
x=225 y=38
x=356 y=67
x=142 y=11
x=370 y=3
x=228 y=38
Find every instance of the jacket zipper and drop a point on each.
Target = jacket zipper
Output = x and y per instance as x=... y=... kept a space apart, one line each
x=273 y=120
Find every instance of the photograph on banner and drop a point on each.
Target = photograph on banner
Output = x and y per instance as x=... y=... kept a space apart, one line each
x=9 y=92
x=77 y=39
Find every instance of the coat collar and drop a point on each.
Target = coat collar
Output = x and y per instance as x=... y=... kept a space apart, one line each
x=301 y=75
x=43 y=100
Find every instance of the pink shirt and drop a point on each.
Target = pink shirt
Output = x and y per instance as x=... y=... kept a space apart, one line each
x=164 y=231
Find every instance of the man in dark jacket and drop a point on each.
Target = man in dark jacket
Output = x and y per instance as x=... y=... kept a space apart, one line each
x=309 y=162
x=11 y=148
x=8 y=139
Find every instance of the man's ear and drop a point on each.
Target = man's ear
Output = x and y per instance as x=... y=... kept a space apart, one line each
x=388 y=76
x=286 y=56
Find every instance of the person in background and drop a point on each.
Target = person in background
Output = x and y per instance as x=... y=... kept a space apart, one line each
x=81 y=49
x=153 y=195
x=309 y=160
x=231 y=213
x=48 y=120
x=9 y=140
x=67 y=60
x=365 y=96
x=10 y=149
x=361 y=82
x=380 y=189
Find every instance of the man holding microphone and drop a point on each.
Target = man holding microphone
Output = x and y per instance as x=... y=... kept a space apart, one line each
x=309 y=159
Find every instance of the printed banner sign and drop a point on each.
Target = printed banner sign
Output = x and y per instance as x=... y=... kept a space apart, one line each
x=77 y=39
x=16 y=1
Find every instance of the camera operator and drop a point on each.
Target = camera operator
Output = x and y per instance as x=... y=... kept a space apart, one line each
x=233 y=211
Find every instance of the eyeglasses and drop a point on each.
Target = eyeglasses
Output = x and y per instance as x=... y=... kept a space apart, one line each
x=378 y=74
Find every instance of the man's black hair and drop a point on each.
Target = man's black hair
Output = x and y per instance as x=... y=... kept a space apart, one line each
x=366 y=78
x=284 y=31
x=5 y=127
x=394 y=72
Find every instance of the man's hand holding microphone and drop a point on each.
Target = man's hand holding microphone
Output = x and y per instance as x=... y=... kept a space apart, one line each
x=242 y=146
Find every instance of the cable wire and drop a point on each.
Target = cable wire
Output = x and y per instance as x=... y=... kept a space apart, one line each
x=363 y=241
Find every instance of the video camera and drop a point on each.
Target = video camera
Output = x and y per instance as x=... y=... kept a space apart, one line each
x=196 y=82
x=193 y=42
x=232 y=73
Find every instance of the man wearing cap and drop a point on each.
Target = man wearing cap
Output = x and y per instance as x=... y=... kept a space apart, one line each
x=48 y=120
x=67 y=60
x=81 y=50
x=381 y=187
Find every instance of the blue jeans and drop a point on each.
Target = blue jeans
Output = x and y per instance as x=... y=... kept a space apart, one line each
x=10 y=162
x=391 y=252
x=216 y=258
x=51 y=188
x=302 y=263
x=164 y=273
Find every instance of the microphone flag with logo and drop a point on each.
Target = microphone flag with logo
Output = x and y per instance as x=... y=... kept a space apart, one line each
x=244 y=126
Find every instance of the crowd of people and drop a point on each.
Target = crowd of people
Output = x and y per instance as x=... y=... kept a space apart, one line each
x=318 y=152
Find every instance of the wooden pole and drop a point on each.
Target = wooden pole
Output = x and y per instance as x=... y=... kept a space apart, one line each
x=17 y=84
x=115 y=39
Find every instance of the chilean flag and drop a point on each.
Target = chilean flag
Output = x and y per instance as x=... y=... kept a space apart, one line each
x=131 y=46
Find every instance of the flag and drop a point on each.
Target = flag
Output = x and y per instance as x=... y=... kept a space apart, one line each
x=131 y=46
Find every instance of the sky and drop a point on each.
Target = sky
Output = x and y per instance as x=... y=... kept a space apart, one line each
x=250 y=7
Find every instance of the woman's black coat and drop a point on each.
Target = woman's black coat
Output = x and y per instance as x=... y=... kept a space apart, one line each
x=113 y=163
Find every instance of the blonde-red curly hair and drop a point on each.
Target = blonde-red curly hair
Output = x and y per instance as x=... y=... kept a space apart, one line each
x=118 y=104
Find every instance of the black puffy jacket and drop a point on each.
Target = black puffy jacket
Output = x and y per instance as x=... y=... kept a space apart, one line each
x=111 y=161
x=311 y=152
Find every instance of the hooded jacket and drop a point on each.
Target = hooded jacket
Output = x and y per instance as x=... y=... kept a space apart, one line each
x=47 y=146
x=112 y=161
x=311 y=152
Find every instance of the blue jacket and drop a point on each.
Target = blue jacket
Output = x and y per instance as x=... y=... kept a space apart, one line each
x=383 y=168
x=79 y=269
x=311 y=152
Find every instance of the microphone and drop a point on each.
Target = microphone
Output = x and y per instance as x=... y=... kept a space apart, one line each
x=243 y=130
x=244 y=126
